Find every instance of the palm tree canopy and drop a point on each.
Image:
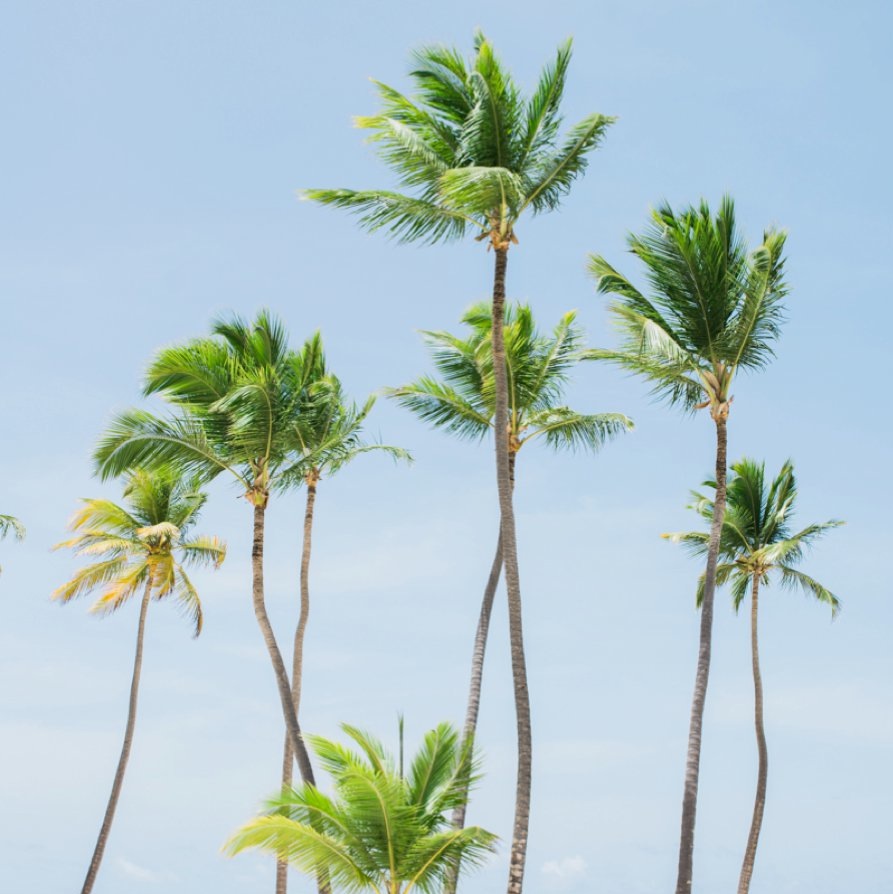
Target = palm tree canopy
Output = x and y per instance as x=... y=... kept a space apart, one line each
x=380 y=830
x=237 y=392
x=469 y=149
x=146 y=541
x=757 y=537
x=538 y=365
x=713 y=307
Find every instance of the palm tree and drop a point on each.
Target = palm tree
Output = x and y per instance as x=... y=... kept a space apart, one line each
x=462 y=403
x=326 y=435
x=9 y=524
x=756 y=541
x=238 y=393
x=474 y=155
x=381 y=831
x=144 y=547
x=714 y=309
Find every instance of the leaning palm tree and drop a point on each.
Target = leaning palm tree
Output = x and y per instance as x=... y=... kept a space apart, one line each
x=473 y=156
x=141 y=547
x=713 y=308
x=237 y=393
x=461 y=402
x=757 y=541
x=382 y=831
x=9 y=524
x=326 y=434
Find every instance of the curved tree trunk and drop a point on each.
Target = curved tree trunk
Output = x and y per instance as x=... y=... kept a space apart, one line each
x=263 y=621
x=693 y=759
x=125 y=750
x=512 y=581
x=469 y=731
x=288 y=757
x=763 y=770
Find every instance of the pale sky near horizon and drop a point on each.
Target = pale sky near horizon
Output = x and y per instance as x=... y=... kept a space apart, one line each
x=151 y=159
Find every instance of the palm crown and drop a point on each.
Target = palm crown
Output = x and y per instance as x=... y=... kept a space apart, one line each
x=240 y=391
x=714 y=307
x=756 y=534
x=143 y=544
x=537 y=366
x=381 y=831
x=469 y=148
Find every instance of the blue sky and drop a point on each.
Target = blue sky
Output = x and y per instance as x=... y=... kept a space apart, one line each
x=152 y=155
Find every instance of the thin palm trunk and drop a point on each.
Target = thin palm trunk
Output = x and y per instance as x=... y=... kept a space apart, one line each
x=474 y=689
x=693 y=759
x=263 y=621
x=512 y=581
x=469 y=731
x=288 y=758
x=763 y=770
x=125 y=750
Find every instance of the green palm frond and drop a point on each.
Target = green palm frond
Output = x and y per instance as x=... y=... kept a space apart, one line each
x=407 y=219
x=378 y=831
x=203 y=552
x=305 y=848
x=555 y=174
x=9 y=524
x=792 y=577
x=439 y=405
x=565 y=429
x=137 y=438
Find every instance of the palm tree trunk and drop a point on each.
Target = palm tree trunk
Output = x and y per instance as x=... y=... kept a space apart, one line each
x=763 y=770
x=263 y=621
x=288 y=758
x=512 y=581
x=125 y=750
x=477 y=671
x=474 y=690
x=693 y=759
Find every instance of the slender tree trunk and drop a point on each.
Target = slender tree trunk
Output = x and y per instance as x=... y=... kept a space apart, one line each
x=512 y=581
x=693 y=759
x=263 y=621
x=469 y=731
x=763 y=771
x=288 y=758
x=125 y=750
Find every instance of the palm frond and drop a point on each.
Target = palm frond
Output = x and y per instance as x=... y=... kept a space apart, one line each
x=557 y=172
x=792 y=577
x=566 y=429
x=407 y=219
x=9 y=524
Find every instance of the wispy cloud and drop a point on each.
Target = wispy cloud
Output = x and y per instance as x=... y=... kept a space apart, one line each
x=140 y=873
x=561 y=875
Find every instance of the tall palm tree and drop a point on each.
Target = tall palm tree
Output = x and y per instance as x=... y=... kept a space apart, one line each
x=757 y=541
x=326 y=434
x=474 y=155
x=381 y=831
x=461 y=401
x=713 y=308
x=142 y=547
x=9 y=524
x=237 y=393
